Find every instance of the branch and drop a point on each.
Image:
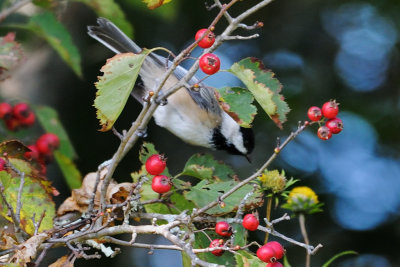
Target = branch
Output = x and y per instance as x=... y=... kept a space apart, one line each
x=17 y=5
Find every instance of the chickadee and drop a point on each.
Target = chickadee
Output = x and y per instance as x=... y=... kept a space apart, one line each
x=193 y=115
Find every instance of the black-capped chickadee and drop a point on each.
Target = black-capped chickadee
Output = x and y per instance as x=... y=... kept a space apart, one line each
x=193 y=115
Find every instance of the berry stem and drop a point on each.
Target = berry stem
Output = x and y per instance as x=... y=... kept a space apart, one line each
x=302 y=222
x=268 y=216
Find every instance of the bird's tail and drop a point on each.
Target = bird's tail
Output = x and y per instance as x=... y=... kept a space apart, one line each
x=112 y=37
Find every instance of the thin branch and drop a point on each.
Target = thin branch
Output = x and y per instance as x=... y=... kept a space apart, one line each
x=38 y=223
x=43 y=254
x=17 y=5
x=10 y=209
x=238 y=37
x=116 y=241
x=19 y=203
x=302 y=222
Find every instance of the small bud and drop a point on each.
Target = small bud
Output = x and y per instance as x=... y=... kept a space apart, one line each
x=212 y=28
x=277 y=150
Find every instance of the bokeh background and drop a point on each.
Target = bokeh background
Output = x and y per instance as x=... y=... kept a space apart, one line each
x=319 y=50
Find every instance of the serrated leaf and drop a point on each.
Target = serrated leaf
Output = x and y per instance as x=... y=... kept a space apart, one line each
x=246 y=259
x=48 y=27
x=71 y=173
x=152 y=4
x=114 y=87
x=10 y=55
x=201 y=241
x=50 y=122
x=13 y=149
x=111 y=10
x=35 y=198
x=237 y=102
x=205 y=192
x=204 y=166
x=264 y=87
x=240 y=237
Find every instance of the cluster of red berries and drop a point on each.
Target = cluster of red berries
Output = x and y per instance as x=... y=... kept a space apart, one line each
x=209 y=63
x=19 y=115
x=329 y=111
x=271 y=251
x=155 y=165
x=222 y=228
x=42 y=150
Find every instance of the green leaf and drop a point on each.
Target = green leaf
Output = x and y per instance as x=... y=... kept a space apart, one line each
x=153 y=4
x=237 y=102
x=264 y=87
x=10 y=55
x=206 y=167
x=35 y=198
x=186 y=260
x=114 y=87
x=341 y=254
x=47 y=26
x=240 y=236
x=50 y=122
x=71 y=173
x=111 y=10
x=245 y=258
x=205 y=192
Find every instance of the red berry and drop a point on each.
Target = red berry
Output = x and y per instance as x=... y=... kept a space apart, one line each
x=21 y=111
x=28 y=121
x=46 y=143
x=314 y=113
x=209 y=63
x=266 y=254
x=335 y=125
x=33 y=154
x=279 y=250
x=250 y=222
x=3 y=164
x=207 y=40
x=161 y=184
x=324 y=133
x=12 y=124
x=5 y=111
x=223 y=229
x=155 y=164
x=274 y=264
x=217 y=243
x=330 y=109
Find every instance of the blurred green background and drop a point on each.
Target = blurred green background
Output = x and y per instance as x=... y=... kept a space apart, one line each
x=319 y=50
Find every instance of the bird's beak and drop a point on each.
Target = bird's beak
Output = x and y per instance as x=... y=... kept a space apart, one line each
x=247 y=156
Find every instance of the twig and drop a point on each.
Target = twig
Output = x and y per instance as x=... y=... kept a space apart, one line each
x=38 y=223
x=100 y=168
x=268 y=216
x=116 y=241
x=17 y=5
x=43 y=254
x=302 y=222
x=19 y=203
x=10 y=209
x=239 y=37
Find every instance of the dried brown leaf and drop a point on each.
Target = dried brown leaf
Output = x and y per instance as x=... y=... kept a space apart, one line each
x=62 y=262
x=27 y=251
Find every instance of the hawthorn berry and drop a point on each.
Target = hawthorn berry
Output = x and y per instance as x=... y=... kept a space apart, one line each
x=250 y=222
x=209 y=63
x=161 y=184
x=3 y=164
x=314 y=113
x=33 y=154
x=5 y=111
x=155 y=164
x=47 y=142
x=217 y=243
x=335 y=125
x=330 y=109
x=324 y=133
x=274 y=264
x=207 y=41
x=279 y=250
x=266 y=254
x=223 y=229
x=29 y=120
x=21 y=111
x=12 y=124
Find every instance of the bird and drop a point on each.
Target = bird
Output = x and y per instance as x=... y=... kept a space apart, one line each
x=194 y=116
